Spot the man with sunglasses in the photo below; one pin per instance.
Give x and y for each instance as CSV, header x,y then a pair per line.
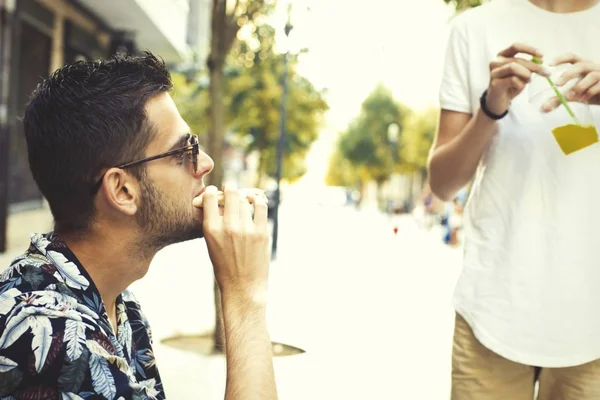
x,y
120,171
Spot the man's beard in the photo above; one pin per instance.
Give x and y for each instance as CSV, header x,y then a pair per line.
x,y
162,222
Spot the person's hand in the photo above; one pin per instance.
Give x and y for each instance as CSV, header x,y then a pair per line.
x,y
509,74
588,87
238,244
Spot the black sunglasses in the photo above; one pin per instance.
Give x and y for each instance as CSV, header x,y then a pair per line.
x,y
194,147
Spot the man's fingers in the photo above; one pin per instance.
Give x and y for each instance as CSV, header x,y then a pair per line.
x,y
517,48
261,211
231,214
210,206
245,211
569,58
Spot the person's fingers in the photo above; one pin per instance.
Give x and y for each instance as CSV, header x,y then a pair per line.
x,y
502,62
245,212
576,71
231,214
578,90
551,104
512,69
533,67
513,84
261,211
198,201
593,91
568,58
499,62
523,48
210,207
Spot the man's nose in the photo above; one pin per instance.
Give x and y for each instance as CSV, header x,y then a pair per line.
x,y
205,164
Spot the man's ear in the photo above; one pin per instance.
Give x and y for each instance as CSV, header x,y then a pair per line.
x,y
121,191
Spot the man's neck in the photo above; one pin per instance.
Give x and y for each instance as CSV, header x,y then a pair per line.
x,y
565,6
112,264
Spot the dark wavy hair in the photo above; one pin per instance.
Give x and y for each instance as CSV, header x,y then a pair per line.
x,y
88,116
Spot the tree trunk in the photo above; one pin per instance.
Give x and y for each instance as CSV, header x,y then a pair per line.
x,y
224,28
363,192
216,133
214,147
261,166
411,184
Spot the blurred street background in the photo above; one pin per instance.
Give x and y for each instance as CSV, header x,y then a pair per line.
x,y
331,107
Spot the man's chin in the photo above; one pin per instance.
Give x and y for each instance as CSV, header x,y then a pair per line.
x,y
164,239
195,232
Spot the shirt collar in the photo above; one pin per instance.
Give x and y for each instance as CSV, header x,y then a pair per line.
x,y
70,271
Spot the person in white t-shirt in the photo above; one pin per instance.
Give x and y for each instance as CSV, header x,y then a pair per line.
x,y
528,298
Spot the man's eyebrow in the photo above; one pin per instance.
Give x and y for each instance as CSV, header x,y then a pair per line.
x,y
180,142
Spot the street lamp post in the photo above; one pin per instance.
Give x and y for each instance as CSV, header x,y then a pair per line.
x,y
392,134
393,131
281,142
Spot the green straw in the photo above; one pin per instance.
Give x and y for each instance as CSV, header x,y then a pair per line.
x,y
560,96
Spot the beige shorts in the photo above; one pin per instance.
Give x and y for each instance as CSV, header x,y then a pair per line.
x,y
480,374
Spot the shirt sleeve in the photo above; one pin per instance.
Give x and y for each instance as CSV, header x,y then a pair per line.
x,y
455,89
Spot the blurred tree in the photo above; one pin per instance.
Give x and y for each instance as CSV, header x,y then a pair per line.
x,y
366,143
461,5
243,95
341,172
255,101
418,136
192,102
226,20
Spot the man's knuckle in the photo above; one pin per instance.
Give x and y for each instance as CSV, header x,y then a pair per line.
x,y
260,236
231,230
260,204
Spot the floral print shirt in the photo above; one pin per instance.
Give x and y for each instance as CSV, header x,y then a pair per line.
x,y
56,341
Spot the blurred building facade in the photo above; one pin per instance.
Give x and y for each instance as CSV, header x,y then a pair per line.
x,y
39,36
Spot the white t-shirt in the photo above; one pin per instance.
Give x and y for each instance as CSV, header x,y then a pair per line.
x,y
530,285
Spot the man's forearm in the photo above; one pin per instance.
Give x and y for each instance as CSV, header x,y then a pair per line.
x,y
250,372
454,163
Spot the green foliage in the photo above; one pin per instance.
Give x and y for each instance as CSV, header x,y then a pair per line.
x,y
418,137
364,151
366,143
191,98
341,172
252,100
254,107
464,4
